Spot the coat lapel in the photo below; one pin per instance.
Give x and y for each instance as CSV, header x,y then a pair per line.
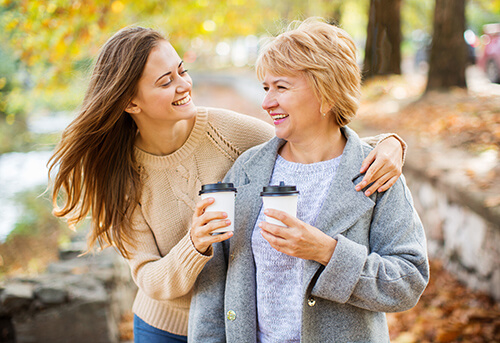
x,y
258,170
344,205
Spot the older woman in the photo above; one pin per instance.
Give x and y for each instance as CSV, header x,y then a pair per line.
x,y
330,275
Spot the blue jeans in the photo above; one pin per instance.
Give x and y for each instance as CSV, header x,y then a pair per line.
x,y
145,333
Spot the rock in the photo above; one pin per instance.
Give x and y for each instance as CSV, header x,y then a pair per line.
x,y
17,296
52,294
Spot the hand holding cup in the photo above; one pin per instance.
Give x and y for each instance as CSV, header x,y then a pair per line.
x,y
213,218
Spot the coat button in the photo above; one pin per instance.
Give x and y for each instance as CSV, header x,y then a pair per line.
x,y
311,301
231,315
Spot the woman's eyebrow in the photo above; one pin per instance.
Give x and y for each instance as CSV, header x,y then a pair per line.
x,y
276,81
158,79
168,72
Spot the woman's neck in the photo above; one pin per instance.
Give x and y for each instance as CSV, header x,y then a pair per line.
x,y
164,140
315,148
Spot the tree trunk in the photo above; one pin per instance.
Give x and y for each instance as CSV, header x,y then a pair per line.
x,y
448,56
383,40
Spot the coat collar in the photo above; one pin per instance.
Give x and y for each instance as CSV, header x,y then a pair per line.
x,y
343,205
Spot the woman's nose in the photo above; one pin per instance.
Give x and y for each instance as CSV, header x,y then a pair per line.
x,y
269,102
184,85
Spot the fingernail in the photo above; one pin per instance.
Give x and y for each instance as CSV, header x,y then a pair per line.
x,y
224,215
228,222
357,188
367,193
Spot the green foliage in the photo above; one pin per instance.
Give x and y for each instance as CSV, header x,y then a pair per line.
x,y
47,46
481,12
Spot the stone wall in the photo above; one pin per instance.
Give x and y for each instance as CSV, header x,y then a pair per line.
x,y
461,230
78,300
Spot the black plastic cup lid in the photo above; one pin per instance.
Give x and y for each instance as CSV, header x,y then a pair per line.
x,y
279,190
217,187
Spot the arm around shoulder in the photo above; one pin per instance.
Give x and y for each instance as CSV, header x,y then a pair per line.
x,y
239,130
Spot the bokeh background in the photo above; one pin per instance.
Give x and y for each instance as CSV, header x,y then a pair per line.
x,y
47,48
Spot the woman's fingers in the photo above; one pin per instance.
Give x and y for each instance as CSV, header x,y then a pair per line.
x,y
298,239
367,161
388,184
205,223
382,165
377,185
202,205
282,216
381,171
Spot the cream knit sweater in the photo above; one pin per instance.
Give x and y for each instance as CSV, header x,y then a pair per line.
x,y
164,262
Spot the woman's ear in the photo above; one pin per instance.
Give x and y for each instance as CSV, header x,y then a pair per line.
x,y
325,108
132,108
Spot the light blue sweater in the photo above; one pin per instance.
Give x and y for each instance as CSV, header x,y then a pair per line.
x,y
279,276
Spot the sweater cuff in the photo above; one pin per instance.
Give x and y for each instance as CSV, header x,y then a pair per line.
x,y
190,257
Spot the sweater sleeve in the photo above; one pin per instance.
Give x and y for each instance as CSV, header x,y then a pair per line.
x,y
163,277
375,140
240,131
393,273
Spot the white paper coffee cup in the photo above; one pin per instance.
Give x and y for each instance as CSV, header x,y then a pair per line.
x,y
224,195
282,197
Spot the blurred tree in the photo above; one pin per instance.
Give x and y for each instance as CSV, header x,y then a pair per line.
x,y
383,40
448,55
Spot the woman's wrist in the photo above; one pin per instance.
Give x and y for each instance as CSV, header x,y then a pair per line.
x,y
327,251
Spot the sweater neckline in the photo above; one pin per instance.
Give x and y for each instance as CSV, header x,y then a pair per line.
x,y
194,139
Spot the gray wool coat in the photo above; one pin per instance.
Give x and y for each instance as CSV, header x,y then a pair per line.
x,y
379,265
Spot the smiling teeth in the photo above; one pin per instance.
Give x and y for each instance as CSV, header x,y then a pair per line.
x,y
279,116
182,101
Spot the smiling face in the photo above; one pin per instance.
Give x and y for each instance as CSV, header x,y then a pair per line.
x,y
164,89
293,106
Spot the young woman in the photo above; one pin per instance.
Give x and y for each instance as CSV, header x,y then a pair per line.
x,y
134,159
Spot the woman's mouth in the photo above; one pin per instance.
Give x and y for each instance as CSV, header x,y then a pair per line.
x,y
182,101
279,118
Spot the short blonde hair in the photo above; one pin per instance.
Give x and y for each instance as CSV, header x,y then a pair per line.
x,y
326,54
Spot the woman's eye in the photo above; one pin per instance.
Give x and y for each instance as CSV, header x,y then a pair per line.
x,y
281,87
167,83
266,89
184,72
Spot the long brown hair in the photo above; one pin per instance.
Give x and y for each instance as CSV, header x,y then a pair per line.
x,y
95,162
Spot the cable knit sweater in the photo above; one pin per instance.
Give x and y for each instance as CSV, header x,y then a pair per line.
x,y
164,262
